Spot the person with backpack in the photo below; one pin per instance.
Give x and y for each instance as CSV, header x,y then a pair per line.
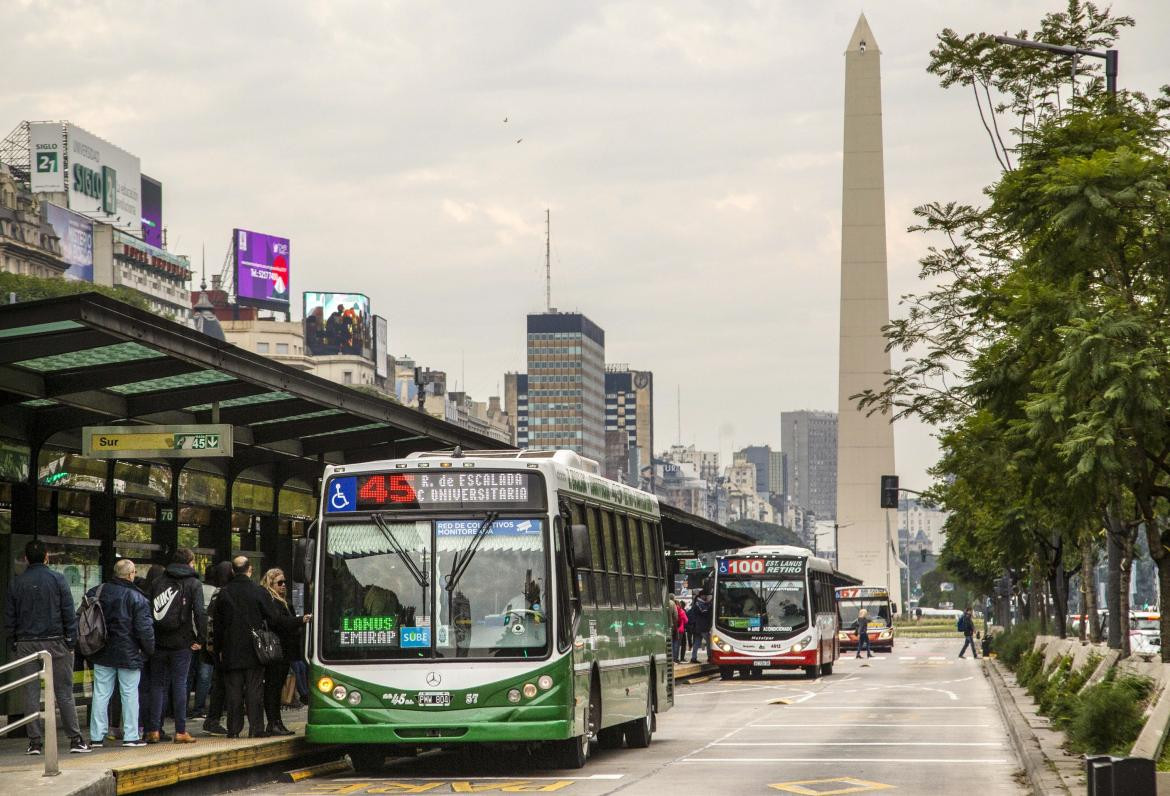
x,y
127,643
966,626
180,628
699,617
38,616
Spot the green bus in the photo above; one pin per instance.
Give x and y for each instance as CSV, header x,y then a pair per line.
x,y
509,597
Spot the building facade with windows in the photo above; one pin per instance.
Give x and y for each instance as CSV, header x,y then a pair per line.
x,y
629,423
28,243
566,384
516,405
809,441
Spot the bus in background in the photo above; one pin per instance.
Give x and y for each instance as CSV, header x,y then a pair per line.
x,y
495,596
774,608
876,602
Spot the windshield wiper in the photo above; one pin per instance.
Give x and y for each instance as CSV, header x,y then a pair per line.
x,y
419,576
460,563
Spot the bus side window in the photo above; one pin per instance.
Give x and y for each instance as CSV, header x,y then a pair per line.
x,y
638,562
612,565
584,576
658,557
602,589
564,573
622,543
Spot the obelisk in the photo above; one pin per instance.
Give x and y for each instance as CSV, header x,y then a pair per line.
x,y
867,535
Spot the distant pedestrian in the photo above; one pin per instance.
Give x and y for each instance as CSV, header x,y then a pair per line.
x,y
241,608
699,617
39,616
129,644
967,627
180,624
863,633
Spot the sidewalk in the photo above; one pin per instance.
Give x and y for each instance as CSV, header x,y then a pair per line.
x,y
115,769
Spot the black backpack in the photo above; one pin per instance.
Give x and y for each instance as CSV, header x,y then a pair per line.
x,y
91,624
169,604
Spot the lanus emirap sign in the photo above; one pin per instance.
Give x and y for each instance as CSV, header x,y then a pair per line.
x,y
101,180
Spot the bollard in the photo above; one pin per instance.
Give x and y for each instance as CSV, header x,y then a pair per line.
x,y
1115,776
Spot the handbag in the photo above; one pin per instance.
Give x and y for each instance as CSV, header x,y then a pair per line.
x,y
289,692
267,645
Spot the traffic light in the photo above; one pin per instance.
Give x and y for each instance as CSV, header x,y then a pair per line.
x,y
889,491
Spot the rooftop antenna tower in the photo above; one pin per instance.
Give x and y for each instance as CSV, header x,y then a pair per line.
x,y
547,260
203,279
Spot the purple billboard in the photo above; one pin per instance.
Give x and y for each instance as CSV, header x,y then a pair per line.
x,y
261,270
152,229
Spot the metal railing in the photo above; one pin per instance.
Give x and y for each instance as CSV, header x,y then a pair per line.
x,y
49,713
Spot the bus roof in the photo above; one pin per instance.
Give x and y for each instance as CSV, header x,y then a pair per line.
x,y
790,551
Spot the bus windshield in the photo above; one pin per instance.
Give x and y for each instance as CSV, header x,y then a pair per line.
x,y
761,605
435,589
878,611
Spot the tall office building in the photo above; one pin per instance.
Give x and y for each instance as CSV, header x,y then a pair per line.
x,y
629,422
809,442
769,467
566,384
516,405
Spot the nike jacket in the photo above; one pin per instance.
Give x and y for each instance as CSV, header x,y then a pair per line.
x,y
179,583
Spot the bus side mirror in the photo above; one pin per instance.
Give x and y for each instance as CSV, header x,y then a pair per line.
x,y
304,552
582,552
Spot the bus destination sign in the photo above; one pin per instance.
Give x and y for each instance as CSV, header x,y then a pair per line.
x,y
761,566
441,489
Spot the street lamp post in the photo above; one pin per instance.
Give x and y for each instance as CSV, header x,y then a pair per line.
x,y
1109,56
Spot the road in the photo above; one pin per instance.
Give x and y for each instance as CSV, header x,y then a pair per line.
x,y
917,721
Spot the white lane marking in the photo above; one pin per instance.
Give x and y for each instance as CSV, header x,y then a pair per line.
x,y
859,743
938,658
908,658
854,724
916,760
709,692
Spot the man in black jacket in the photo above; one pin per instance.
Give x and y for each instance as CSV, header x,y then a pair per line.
x,y
242,607
180,629
39,616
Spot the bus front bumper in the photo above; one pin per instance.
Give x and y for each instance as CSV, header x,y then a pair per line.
x,y
394,726
736,658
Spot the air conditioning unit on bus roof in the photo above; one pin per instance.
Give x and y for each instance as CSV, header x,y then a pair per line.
x,y
566,457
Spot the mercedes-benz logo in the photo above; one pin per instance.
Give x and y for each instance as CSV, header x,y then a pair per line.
x,y
433,679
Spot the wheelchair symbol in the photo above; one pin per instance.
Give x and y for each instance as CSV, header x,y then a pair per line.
x,y
338,500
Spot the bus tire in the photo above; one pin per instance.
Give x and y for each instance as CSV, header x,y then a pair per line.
x,y
571,753
640,731
826,669
725,672
609,737
367,758
810,672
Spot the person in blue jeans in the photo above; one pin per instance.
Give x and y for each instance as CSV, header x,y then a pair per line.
x,y
180,628
863,633
967,628
129,643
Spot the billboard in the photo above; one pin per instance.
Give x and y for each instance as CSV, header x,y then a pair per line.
x,y
381,346
76,234
152,228
103,179
46,155
338,323
262,270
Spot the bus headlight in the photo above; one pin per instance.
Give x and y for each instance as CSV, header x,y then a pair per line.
x,y
720,643
514,695
885,634
797,647
325,685
339,692
842,636
355,698
545,682
529,690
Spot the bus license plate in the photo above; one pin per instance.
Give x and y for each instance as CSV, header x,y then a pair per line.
x,y
434,699
761,663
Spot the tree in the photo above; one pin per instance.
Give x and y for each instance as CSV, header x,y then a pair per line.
x,y
31,288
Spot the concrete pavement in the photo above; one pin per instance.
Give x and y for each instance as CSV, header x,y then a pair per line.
x,y
917,721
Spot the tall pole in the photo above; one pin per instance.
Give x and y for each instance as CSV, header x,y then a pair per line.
x,y
547,260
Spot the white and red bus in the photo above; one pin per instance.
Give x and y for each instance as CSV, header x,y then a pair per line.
x,y
774,608
876,602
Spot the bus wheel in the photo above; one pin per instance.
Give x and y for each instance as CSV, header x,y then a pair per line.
x,y
639,731
609,738
571,753
725,672
367,758
826,669
810,672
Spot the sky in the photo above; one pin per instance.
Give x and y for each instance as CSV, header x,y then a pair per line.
x,y
689,153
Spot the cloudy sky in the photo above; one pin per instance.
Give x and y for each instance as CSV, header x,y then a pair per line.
x,y
690,153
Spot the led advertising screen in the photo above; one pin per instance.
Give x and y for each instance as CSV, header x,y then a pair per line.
x,y
338,323
76,234
152,228
262,270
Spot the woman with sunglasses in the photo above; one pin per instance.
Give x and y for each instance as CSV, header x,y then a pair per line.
x,y
275,673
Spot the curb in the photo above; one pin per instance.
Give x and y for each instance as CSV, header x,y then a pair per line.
x,y
1026,744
